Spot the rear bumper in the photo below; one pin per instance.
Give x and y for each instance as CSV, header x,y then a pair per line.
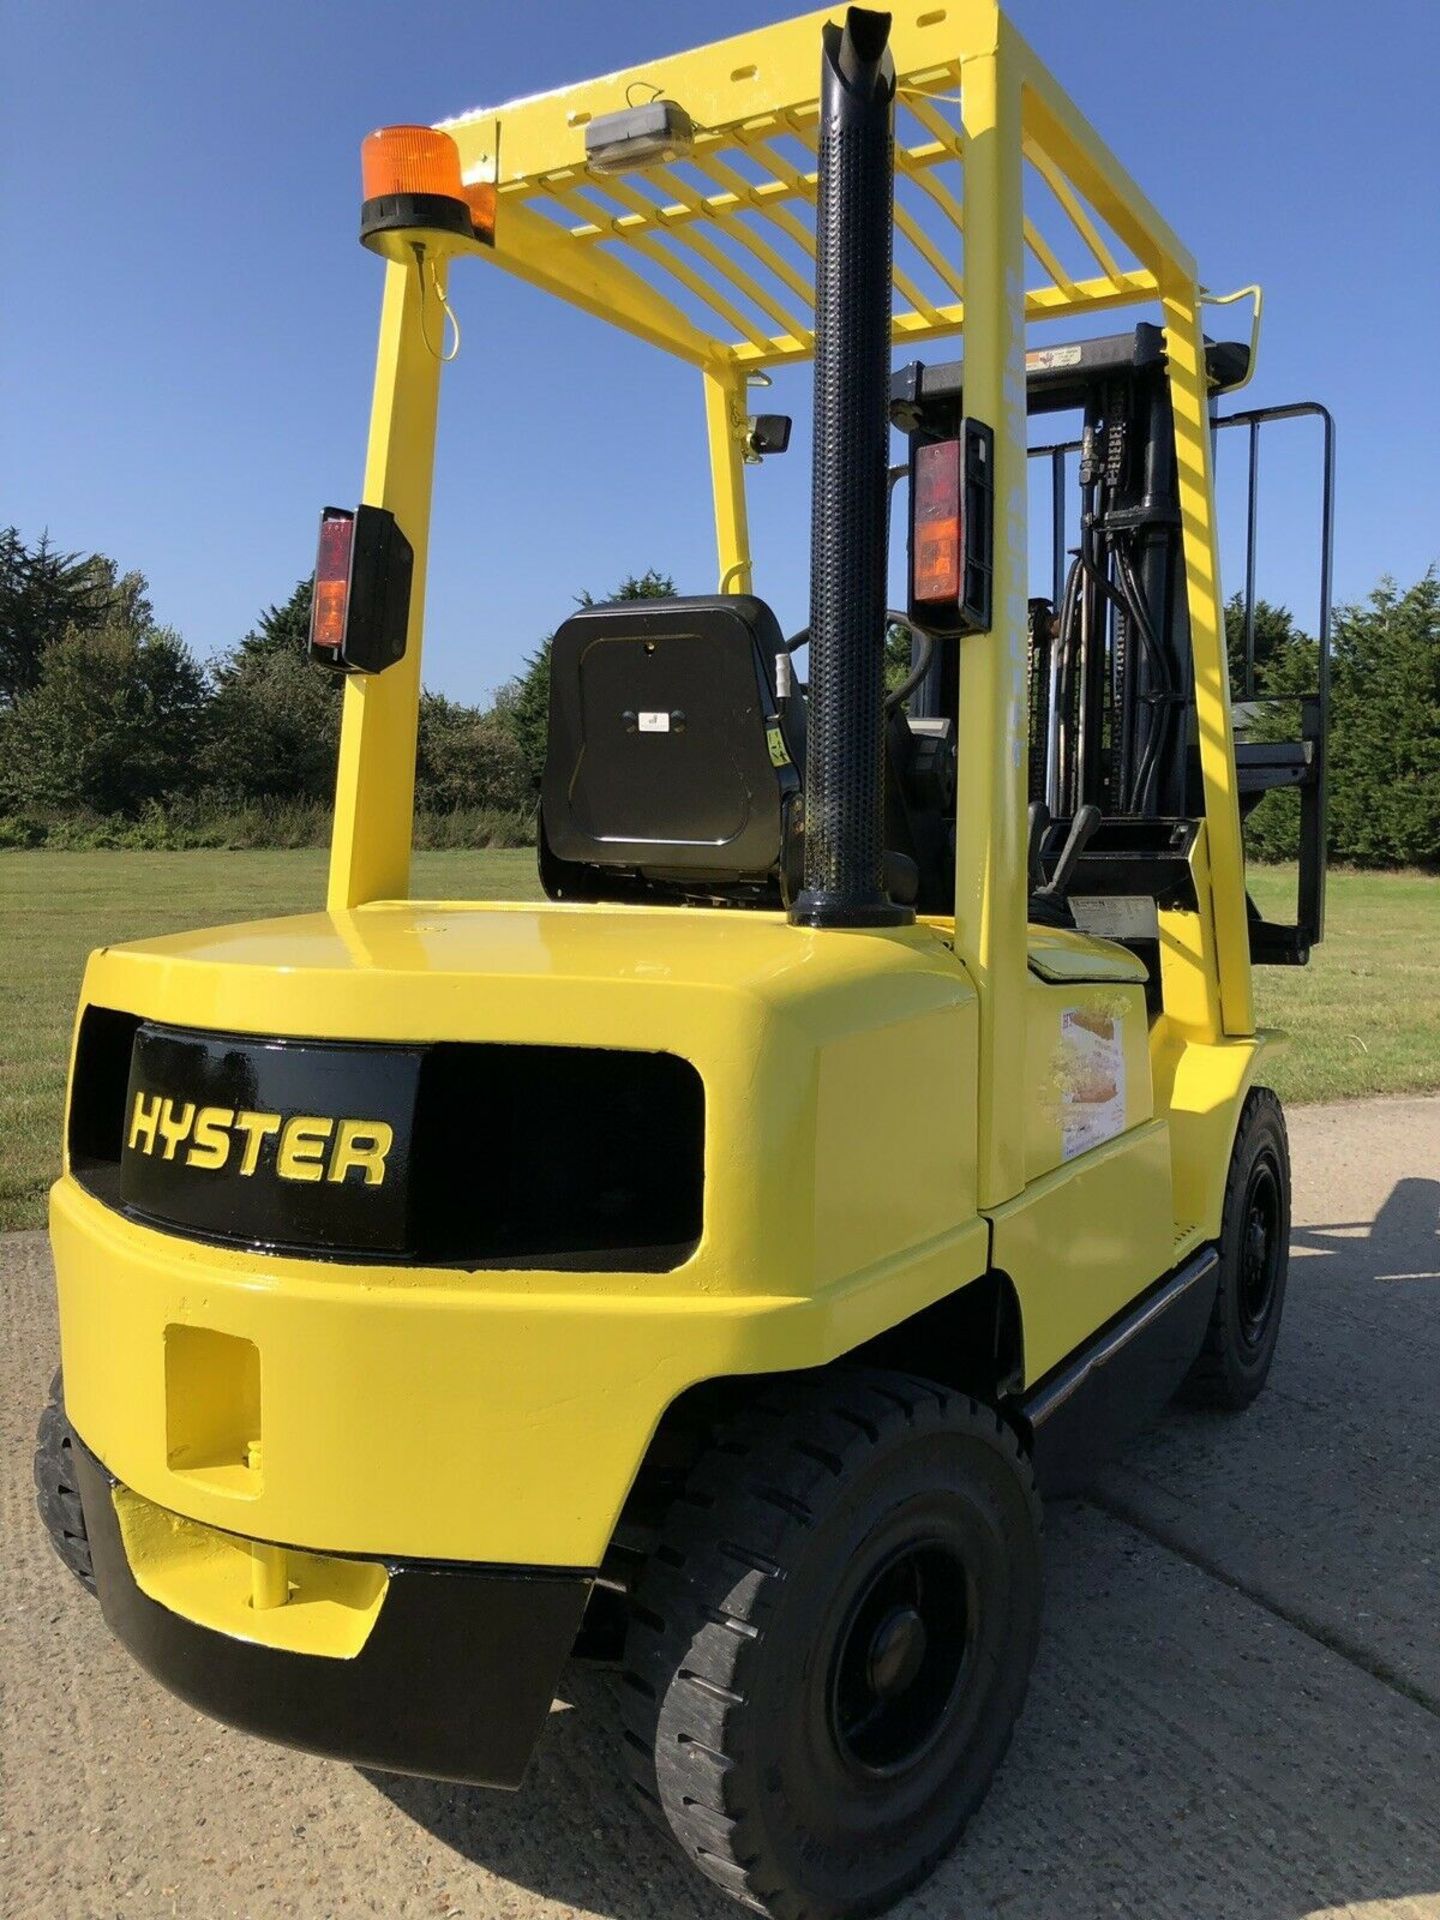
x,y
454,1678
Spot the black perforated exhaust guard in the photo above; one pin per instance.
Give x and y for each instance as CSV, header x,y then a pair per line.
x,y
845,787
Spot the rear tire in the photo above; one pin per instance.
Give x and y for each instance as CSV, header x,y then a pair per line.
x,y
1234,1362
57,1495
830,1644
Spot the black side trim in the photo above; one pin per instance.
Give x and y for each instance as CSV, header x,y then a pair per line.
x,y
454,1682
1085,1409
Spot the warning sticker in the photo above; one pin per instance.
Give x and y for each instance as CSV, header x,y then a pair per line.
x,y
1116,916
1092,1079
779,752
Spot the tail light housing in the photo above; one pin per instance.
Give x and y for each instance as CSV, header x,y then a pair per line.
x,y
360,612
952,531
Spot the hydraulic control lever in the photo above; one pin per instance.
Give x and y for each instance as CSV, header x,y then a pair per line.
x,y
1082,829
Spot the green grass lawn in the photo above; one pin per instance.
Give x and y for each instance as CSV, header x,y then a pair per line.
x,y
1364,1016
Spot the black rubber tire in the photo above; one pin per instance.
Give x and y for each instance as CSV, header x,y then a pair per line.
x,y
747,1623
56,1494
1234,1362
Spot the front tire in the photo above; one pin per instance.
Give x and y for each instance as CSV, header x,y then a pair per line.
x,y
830,1643
1234,1362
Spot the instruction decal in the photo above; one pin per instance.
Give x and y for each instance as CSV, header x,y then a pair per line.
x,y
1116,916
1092,1079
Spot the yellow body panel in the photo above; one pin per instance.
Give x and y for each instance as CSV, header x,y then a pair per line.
x,y
300,1401
538,1390
1056,954
1081,1242
990,876
1206,1096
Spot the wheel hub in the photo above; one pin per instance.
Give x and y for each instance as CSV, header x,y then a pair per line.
x,y
897,1652
900,1658
1259,1253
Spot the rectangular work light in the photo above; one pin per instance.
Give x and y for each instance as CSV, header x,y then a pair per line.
x,y
637,136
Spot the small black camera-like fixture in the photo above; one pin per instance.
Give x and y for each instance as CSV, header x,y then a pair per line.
x,y
768,433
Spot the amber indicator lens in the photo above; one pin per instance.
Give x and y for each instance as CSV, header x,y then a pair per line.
x,y
403,163
481,200
332,579
410,160
936,542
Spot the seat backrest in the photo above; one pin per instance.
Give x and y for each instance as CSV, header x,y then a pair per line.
x,y
668,759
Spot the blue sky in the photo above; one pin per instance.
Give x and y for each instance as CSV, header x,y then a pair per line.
x,y
189,322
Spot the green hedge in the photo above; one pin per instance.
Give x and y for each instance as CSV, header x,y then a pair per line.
x,y
227,826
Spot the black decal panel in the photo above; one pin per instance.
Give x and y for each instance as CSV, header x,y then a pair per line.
x,y
448,1154
297,1144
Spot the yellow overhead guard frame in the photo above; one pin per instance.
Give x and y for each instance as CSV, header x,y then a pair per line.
x,y
711,258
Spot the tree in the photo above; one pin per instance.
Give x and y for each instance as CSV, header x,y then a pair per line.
x,y
113,721
1385,727
45,594
1384,745
898,642
1286,662
275,727
1276,637
282,630
125,597
650,585
523,704
275,717
467,758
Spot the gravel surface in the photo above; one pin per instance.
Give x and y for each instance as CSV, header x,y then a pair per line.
x,y
1236,1710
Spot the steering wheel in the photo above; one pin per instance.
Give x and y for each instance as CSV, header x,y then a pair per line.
x,y
898,695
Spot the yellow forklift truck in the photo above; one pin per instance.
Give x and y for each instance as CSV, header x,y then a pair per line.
x,y
703,1273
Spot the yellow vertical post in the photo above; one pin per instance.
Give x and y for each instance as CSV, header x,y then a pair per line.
x,y
269,1576
375,784
1185,351
993,735
726,414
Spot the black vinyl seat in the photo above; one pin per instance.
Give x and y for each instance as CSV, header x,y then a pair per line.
x,y
672,771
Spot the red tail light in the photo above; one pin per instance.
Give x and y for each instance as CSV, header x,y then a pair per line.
x,y
952,530
361,610
938,548
332,580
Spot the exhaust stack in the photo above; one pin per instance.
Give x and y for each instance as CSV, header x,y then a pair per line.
x,y
844,777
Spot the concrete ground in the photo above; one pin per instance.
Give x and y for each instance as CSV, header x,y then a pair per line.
x,y
1236,1710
